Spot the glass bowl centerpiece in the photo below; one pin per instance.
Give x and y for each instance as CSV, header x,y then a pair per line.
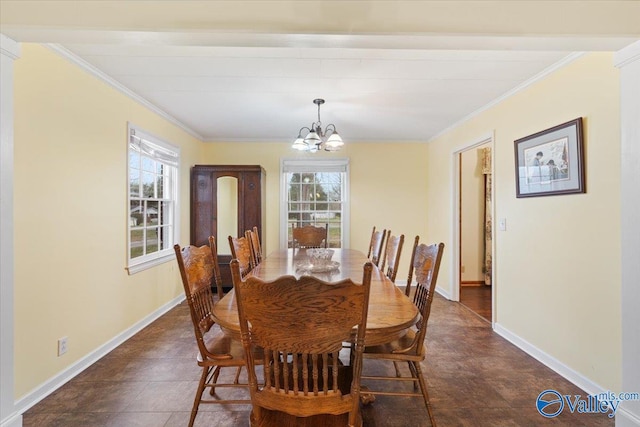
x,y
319,257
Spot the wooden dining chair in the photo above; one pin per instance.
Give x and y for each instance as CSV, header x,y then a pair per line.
x,y
376,245
425,263
217,277
310,236
198,271
391,257
301,324
256,248
241,250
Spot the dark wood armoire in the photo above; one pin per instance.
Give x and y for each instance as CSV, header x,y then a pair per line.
x,y
207,210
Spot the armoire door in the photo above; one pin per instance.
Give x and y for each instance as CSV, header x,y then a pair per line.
x,y
226,200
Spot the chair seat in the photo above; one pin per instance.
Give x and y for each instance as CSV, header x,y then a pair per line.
x,y
389,350
222,344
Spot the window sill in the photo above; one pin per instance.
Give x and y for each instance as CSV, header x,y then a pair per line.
x,y
145,265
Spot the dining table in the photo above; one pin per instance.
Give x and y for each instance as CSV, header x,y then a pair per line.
x,y
391,313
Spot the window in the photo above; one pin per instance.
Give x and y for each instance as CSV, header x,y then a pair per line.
x,y
315,193
153,194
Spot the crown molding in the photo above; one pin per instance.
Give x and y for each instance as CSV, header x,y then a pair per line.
x,y
627,55
9,47
543,74
73,58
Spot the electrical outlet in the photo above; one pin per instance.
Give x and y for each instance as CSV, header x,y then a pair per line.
x,y
62,346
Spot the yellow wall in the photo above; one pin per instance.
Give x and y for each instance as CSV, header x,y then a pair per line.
x,y
558,262
71,215
388,183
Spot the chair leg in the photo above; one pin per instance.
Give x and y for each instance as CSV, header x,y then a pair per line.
x,y
415,375
397,367
237,378
196,401
214,380
423,387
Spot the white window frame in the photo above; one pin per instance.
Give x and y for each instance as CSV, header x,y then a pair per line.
x,y
168,154
311,166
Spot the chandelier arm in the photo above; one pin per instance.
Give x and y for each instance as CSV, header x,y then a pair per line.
x,y
327,129
303,128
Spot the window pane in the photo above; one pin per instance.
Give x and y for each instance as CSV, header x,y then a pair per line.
x,y
148,164
137,246
294,206
306,192
148,184
320,206
160,180
164,238
294,217
165,213
136,218
134,159
134,182
152,240
152,213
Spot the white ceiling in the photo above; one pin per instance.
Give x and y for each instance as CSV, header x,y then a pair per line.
x,y
262,94
259,86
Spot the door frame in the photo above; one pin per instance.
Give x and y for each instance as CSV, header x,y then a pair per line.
x,y
454,272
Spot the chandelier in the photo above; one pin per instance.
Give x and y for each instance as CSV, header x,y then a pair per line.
x,y
316,138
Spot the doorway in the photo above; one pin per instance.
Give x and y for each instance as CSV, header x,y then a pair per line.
x,y
474,219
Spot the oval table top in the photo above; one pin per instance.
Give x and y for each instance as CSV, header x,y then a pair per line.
x,y
391,312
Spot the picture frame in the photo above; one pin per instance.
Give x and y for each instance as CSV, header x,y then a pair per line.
x,y
551,162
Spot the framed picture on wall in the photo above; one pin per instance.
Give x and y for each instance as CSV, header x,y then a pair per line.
x,y
551,162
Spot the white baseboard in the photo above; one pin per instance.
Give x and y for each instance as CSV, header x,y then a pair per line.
x,y
551,362
64,376
14,420
444,293
625,418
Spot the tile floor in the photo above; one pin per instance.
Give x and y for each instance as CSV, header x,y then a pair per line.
x,y
476,378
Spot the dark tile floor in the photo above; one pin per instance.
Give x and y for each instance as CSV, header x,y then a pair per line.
x,y
478,299
476,378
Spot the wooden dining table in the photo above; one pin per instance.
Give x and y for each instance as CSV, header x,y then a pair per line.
x,y
390,314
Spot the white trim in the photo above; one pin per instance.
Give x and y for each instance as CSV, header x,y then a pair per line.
x,y
625,418
141,266
551,362
627,55
73,58
444,293
454,253
628,61
9,47
409,40
55,382
522,86
15,420
9,51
